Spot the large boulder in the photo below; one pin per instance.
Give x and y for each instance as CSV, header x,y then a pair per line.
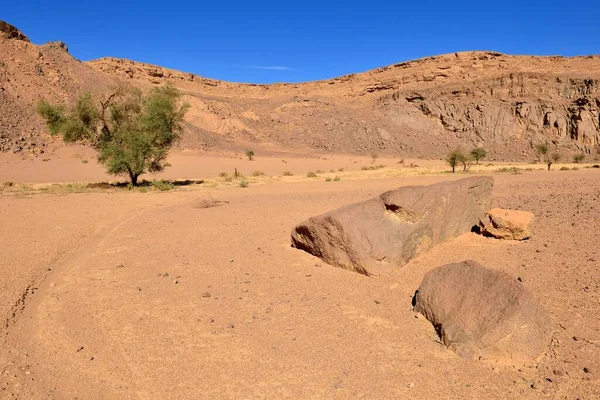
x,y
387,231
507,224
481,313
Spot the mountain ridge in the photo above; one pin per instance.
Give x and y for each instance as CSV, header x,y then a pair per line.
x,y
421,108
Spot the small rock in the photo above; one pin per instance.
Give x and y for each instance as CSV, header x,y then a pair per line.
x,y
206,295
558,372
166,274
587,370
230,326
175,281
211,320
377,302
410,385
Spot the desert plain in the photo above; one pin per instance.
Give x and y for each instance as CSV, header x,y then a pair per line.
x,y
196,292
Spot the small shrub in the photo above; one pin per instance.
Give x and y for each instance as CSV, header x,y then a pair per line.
x,y
332,170
401,162
311,174
575,169
45,159
340,169
84,161
287,173
320,171
258,173
578,158
514,170
336,179
243,183
229,179
413,165
283,161
250,154
328,179
564,168
223,174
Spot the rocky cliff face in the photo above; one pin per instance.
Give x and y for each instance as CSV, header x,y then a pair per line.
x,y
421,108
513,111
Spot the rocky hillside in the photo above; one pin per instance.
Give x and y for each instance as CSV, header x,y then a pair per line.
x,y
421,108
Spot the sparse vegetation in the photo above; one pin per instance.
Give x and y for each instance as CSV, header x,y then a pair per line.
x,y
287,173
244,183
250,154
372,167
401,162
258,173
131,132
478,153
514,170
340,169
374,157
564,168
311,174
162,185
84,161
578,158
328,179
320,171
336,179
237,174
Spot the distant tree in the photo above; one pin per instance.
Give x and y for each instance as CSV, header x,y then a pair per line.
x,y
250,154
544,153
478,153
374,157
456,157
578,158
131,132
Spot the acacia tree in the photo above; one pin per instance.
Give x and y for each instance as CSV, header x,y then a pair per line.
x,y
457,157
131,132
478,153
544,153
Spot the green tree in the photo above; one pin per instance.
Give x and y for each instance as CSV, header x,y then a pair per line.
x,y
478,153
250,154
578,158
455,158
131,132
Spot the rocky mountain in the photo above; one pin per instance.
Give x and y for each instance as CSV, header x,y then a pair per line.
x,y
421,108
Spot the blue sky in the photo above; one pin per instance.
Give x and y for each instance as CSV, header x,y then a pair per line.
x,y
283,41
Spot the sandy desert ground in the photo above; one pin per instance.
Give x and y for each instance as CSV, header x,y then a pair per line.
x,y
196,293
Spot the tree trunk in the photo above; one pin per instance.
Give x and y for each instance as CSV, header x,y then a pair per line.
x,y
549,164
134,178
453,168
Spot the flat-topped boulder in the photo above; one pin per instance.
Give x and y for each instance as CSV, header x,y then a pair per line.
x,y
505,224
481,313
384,232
